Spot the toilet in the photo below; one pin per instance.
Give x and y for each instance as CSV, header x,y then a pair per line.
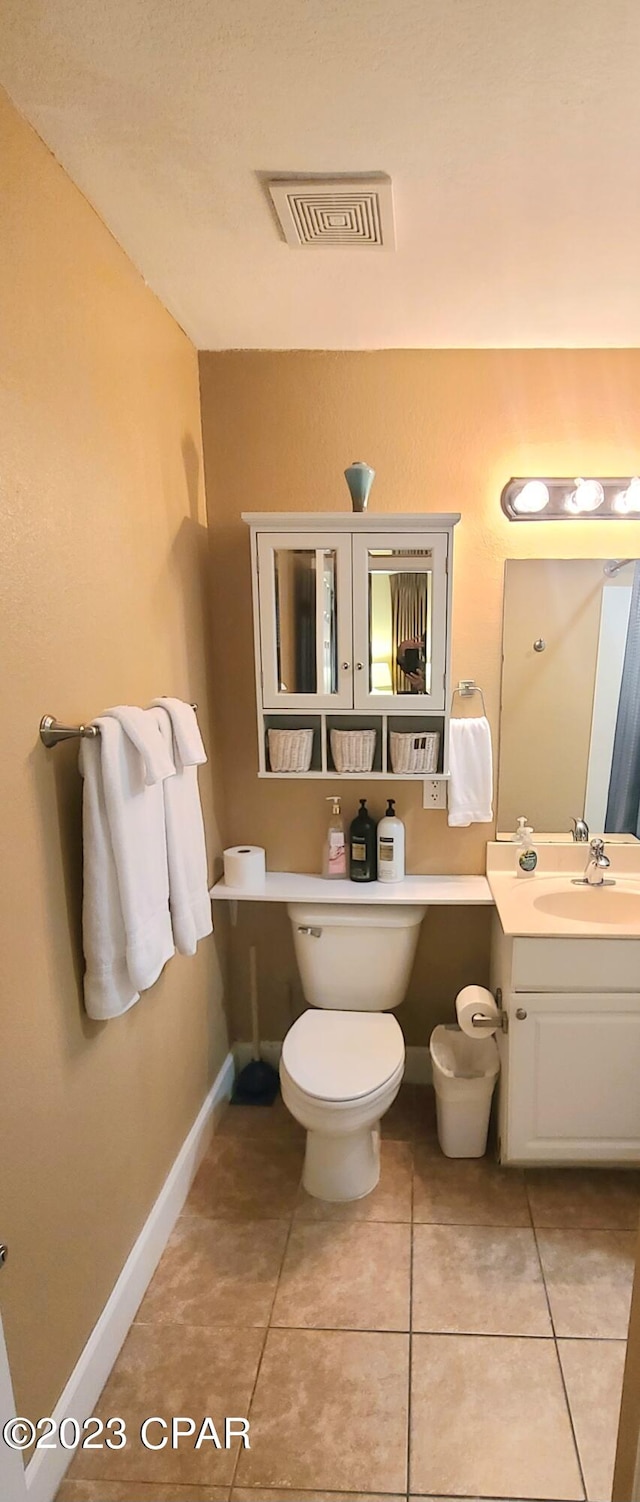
x,y
342,1065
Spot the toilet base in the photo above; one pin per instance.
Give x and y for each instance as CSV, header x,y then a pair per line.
x,y
345,1167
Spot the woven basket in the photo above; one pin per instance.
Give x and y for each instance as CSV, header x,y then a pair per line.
x,y
416,751
290,750
353,750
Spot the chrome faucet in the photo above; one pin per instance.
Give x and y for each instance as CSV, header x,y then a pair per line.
x,y
597,864
580,831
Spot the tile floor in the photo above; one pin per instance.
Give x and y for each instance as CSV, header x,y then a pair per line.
x,y
458,1333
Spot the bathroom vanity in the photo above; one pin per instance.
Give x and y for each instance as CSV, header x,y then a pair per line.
x,y
566,961
565,956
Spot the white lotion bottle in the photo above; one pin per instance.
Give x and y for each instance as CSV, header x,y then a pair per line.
x,y
390,838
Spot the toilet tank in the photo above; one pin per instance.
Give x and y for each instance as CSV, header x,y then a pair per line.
x,y
355,958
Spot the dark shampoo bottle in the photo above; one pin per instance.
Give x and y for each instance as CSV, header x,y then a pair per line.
x,y
362,845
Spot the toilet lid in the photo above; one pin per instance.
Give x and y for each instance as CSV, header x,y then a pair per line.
x,y
342,1055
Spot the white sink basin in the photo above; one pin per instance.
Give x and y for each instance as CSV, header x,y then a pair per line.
x,y
553,903
550,905
617,905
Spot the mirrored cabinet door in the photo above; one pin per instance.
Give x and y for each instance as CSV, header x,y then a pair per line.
x,y
399,612
304,582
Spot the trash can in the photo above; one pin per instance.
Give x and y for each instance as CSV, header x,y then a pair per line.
x,y
464,1075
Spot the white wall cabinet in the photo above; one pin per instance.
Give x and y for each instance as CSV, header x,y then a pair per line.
x,y
570,1060
352,617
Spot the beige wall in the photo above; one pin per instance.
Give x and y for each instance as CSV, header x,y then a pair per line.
x,y
444,430
104,599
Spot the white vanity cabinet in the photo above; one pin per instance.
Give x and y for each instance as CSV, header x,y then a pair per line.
x,y
570,1058
337,600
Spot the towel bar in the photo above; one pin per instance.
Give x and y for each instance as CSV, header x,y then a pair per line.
x,y
52,732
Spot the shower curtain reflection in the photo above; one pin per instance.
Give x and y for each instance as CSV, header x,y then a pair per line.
x,y
623,805
410,625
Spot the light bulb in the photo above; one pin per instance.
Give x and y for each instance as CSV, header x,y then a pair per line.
x,y
629,499
587,496
533,497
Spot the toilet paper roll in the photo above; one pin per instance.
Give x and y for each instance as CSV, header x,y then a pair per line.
x,y
476,1001
245,867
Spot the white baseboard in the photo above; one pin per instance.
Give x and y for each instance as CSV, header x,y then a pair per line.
x,y
46,1470
417,1067
243,1053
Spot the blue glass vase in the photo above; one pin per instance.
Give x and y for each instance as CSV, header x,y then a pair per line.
x,y
359,477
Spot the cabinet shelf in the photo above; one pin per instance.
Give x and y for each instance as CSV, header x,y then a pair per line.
x,y
359,776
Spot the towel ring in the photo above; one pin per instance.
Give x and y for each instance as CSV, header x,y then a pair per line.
x,y
465,688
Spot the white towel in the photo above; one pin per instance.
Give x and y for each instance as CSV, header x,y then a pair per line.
x,y
127,924
186,850
108,989
187,740
143,731
471,769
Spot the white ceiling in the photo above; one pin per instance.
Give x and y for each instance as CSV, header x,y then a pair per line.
x,y
510,128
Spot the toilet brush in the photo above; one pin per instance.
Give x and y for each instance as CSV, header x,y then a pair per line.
x,y
258,1083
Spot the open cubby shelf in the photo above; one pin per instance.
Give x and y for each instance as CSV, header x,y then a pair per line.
x,y
322,764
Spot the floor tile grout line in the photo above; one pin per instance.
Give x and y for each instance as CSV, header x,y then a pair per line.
x,y
494,1225
331,1491
555,1342
268,1327
410,1366
611,1340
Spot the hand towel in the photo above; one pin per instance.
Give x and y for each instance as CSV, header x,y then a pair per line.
x,y
471,769
144,733
108,988
187,740
134,824
189,898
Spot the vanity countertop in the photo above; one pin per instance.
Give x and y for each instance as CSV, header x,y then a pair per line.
x,y
552,904
291,886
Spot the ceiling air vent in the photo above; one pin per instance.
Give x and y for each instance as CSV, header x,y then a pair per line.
x,y
335,211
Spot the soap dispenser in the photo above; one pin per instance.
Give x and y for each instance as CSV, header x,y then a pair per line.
x,y
334,865
362,845
526,853
391,845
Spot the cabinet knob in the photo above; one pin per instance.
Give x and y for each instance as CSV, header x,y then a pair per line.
x,y
4,1253
345,667
520,1014
359,666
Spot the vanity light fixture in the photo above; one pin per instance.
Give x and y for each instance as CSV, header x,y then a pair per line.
x,y
547,500
587,496
628,500
533,497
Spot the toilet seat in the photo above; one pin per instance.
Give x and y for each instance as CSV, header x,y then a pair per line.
x,y
343,1056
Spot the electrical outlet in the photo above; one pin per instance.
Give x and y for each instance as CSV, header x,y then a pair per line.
x,y
434,793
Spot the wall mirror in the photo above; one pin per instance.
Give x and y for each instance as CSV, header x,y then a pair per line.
x,y
570,712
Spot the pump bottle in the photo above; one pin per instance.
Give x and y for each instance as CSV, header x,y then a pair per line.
x,y
362,845
334,865
391,845
526,853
